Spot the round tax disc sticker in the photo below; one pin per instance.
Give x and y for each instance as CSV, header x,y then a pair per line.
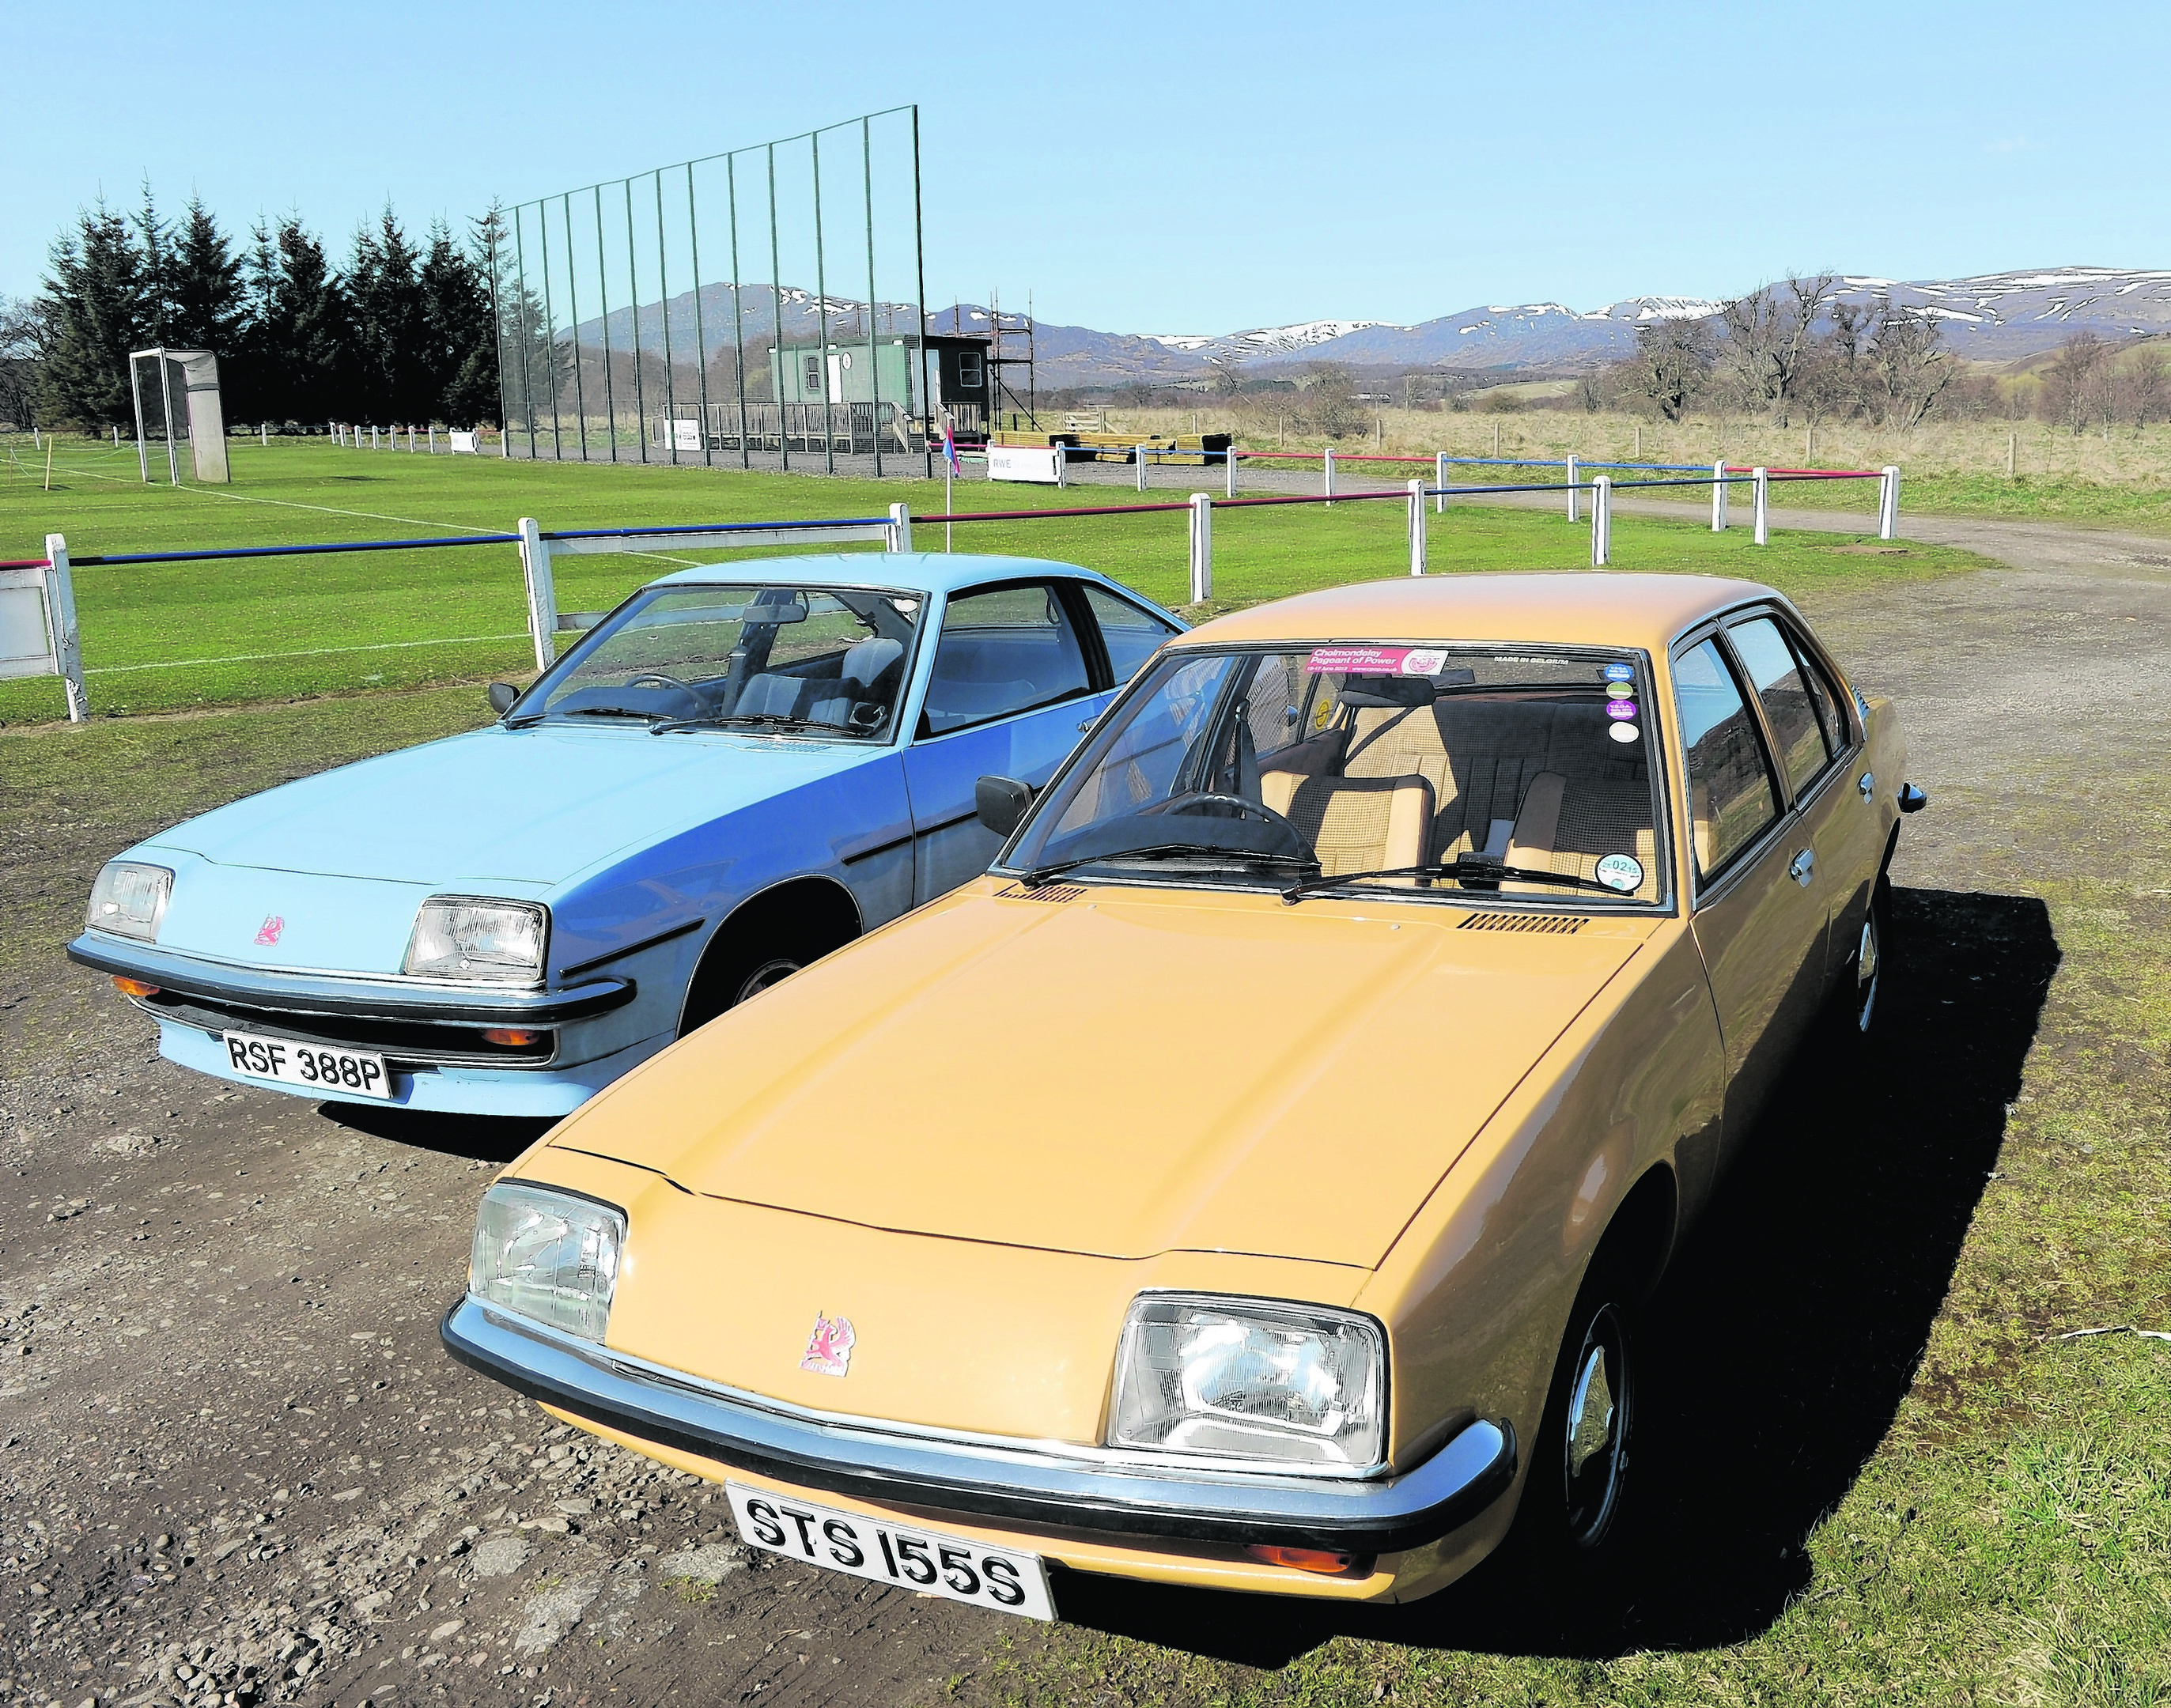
x,y
1621,673
1620,709
1623,690
1622,733
1622,872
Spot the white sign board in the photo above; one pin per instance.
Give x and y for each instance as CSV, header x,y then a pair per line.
x,y
465,441
1039,462
684,435
26,640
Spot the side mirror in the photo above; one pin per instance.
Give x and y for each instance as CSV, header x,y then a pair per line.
x,y
1911,799
502,696
1001,803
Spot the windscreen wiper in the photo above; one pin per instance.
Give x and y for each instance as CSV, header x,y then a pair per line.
x,y
765,721
1470,869
1162,851
580,712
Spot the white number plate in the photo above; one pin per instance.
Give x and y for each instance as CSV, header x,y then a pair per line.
x,y
919,1560
334,1072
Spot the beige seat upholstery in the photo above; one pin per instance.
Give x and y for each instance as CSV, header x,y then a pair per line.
x,y
1355,824
1568,826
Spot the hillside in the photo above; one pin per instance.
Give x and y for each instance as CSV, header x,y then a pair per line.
x,y
1992,317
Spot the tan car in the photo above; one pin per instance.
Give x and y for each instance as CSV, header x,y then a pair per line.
x,y
1252,1182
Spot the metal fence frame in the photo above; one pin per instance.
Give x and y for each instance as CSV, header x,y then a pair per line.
x,y
535,348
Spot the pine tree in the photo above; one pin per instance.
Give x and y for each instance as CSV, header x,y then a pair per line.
x,y
386,341
305,337
204,294
94,308
254,391
460,332
155,239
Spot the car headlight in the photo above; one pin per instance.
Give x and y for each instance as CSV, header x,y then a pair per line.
x,y
464,938
1251,1379
548,1255
129,899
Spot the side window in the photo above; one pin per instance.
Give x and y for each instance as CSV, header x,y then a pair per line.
x,y
970,376
812,375
1002,650
1131,636
1826,698
1789,710
1730,795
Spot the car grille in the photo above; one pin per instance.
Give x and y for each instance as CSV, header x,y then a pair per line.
x,y
407,1040
1553,925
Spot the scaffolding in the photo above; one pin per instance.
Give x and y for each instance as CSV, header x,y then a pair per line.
x,y
1001,363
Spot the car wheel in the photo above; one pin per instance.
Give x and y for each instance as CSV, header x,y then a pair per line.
x,y
1869,956
1579,1463
741,968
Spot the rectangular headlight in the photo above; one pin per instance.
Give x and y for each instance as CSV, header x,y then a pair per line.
x,y
129,899
1251,1379
466,938
548,1255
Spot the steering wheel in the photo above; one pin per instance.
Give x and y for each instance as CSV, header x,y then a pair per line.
x,y
1189,804
685,687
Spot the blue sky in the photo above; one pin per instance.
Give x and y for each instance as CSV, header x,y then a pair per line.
x,y
1174,168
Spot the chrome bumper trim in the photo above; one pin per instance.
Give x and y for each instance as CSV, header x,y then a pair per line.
x,y
357,999
1034,1484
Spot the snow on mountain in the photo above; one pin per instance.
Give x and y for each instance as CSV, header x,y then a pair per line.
x,y
1261,340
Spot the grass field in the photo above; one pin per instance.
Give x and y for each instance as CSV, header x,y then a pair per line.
x,y
166,637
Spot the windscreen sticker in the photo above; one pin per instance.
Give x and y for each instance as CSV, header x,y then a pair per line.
x,y
1621,673
1621,872
1620,709
1375,660
1623,732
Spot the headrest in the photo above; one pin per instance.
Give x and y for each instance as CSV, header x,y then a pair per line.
x,y
1386,691
864,660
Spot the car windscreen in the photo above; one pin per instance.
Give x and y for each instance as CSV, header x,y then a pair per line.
x,y
1455,768
821,661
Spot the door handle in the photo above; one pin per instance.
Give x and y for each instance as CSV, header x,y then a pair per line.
x,y
1804,867
1866,783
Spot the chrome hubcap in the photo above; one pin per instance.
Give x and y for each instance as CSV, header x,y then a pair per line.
x,y
1597,1434
768,974
1865,974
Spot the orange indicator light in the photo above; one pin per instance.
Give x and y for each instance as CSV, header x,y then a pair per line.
x,y
511,1035
134,987
1326,1562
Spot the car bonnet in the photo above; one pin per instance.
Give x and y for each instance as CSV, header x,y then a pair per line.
x,y
1122,1073
536,806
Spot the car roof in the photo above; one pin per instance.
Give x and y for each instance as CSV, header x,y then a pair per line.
x,y
1583,607
918,572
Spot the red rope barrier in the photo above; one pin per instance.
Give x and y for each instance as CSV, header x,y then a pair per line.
x,y
26,563
1034,515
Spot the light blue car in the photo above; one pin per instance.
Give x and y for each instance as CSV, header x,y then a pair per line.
x,y
743,767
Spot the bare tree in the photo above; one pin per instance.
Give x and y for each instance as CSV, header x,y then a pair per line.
x,y
23,334
1909,361
1591,390
1672,364
2143,390
2070,383
1768,336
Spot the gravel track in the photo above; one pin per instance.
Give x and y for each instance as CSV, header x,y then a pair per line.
x,y
235,1467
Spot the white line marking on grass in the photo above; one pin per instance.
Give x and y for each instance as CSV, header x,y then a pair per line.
x,y
307,652
331,509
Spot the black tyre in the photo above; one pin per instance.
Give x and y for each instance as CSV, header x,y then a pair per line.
x,y
1579,1462
744,962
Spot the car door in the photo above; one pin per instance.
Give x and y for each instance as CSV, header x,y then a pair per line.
x,y
1759,917
1018,671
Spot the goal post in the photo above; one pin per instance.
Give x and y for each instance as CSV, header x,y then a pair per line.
x,y
177,402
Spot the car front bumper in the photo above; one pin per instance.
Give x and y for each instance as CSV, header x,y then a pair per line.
x,y
1036,1483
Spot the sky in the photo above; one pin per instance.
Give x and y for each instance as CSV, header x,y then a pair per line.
x,y
1172,169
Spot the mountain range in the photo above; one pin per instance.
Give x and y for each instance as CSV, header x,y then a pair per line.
x,y
1990,317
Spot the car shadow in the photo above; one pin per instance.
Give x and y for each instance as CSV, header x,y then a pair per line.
x,y
479,1137
1779,1347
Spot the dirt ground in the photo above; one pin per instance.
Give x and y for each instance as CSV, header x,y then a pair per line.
x,y
236,1468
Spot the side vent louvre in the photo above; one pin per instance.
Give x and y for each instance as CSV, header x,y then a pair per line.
x,y
1046,892
1554,924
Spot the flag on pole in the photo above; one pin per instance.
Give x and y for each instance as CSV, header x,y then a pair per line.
x,y
950,447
